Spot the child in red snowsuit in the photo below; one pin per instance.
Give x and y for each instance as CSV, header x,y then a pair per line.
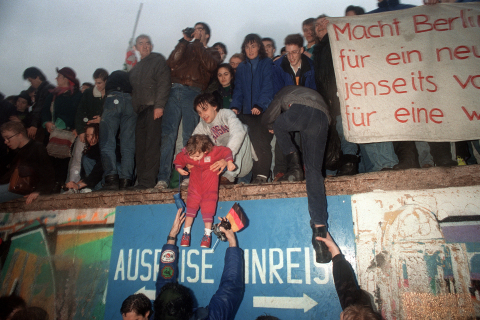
x,y
208,163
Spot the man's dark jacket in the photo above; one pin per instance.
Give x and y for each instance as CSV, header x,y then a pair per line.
x,y
33,160
325,75
284,76
150,79
40,96
192,64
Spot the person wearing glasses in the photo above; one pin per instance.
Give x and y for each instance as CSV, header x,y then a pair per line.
x,y
31,162
292,69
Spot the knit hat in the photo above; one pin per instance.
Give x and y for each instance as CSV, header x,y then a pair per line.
x,y
69,74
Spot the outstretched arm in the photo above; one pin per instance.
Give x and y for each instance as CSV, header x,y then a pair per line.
x,y
343,276
168,268
225,302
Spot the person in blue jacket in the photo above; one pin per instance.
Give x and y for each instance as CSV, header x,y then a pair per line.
x,y
175,302
391,5
294,68
251,98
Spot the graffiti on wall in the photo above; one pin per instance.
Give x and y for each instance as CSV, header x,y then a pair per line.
x,y
417,251
58,260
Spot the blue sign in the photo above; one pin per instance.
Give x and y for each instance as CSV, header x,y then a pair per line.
x,y
281,276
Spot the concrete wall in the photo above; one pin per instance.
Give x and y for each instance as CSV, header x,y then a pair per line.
x,y
58,260
417,252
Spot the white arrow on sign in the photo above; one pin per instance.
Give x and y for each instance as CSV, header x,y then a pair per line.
x,y
149,293
306,303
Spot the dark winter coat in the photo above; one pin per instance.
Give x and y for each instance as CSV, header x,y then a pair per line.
x,y
253,85
43,91
91,105
391,5
150,79
192,64
65,108
325,75
33,160
284,76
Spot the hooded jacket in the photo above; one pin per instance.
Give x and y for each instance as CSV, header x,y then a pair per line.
x,y
293,95
253,85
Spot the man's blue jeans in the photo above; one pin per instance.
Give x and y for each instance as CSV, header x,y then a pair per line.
x,y
88,165
118,113
179,106
378,155
313,127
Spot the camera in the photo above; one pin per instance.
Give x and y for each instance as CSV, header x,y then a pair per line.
x,y
216,229
188,31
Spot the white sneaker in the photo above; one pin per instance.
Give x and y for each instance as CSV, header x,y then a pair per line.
x,y
85,190
161,185
185,182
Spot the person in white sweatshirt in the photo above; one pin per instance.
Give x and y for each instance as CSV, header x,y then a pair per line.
x,y
225,129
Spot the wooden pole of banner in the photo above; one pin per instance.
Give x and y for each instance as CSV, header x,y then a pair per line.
x,y
136,24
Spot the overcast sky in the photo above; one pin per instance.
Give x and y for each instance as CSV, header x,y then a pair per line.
x,y
86,35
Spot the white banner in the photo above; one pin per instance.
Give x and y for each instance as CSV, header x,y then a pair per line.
x,y
409,75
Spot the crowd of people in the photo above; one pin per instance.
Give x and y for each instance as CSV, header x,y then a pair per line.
x,y
262,116
138,121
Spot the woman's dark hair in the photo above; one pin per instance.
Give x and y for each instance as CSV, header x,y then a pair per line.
x,y
179,306
199,143
230,69
221,45
252,37
96,133
138,303
202,99
358,10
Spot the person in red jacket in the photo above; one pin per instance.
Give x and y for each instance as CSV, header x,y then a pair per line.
x,y
208,162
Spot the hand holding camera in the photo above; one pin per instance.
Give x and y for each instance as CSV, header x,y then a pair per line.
x,y
224,232
188,33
